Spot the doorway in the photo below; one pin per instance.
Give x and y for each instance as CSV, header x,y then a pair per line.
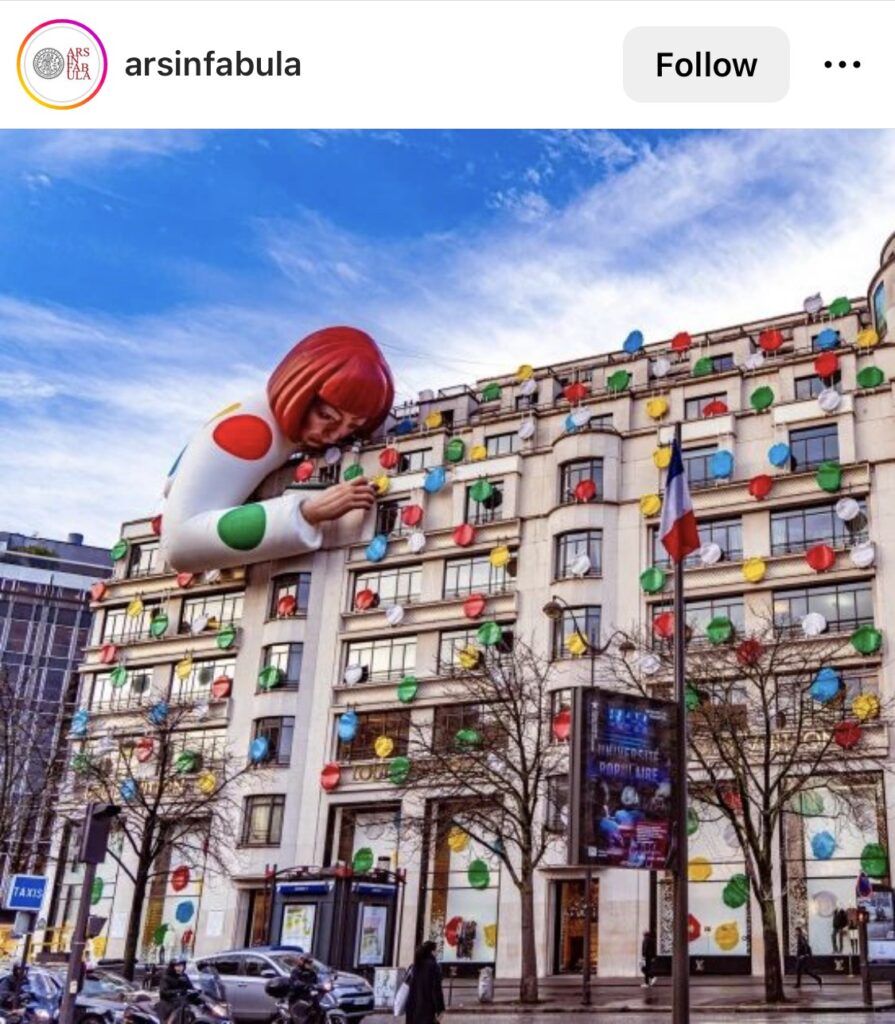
x,y
568,955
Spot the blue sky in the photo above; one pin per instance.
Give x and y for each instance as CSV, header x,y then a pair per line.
x,y
148,278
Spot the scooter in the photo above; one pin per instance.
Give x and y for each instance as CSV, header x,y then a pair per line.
x,y
321,1006
197,1008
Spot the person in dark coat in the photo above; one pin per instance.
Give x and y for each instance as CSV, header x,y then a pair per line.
x,y
804,959
648,958
425,999
302,982
840,923
173,989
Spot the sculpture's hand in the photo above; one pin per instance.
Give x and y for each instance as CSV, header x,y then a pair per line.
x,y
335,501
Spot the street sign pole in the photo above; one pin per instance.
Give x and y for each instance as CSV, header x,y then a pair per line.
x,y
76,955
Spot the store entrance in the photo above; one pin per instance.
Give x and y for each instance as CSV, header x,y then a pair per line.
x,y
568,955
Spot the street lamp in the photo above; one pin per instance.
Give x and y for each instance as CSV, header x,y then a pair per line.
x,y
555,610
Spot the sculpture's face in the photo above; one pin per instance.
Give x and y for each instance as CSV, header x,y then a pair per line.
x,y
325,425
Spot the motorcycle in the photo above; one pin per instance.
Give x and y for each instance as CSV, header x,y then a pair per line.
x,y
320,1006
197,1007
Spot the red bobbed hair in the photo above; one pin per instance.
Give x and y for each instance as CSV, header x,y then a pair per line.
x,y
341,365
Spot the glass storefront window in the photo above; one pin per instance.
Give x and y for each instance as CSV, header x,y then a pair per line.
x,y
463,885
569,935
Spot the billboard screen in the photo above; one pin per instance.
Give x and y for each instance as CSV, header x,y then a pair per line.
x,y
626,764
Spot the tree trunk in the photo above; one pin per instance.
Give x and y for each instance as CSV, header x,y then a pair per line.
x,y
528,979
773,967
135,918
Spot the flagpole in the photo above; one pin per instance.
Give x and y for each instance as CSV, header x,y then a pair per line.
x,y
680,974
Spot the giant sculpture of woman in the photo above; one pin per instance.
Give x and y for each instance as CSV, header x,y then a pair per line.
x,y
334,384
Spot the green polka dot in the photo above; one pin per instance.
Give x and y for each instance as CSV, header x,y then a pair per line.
x,y
243,528
352,472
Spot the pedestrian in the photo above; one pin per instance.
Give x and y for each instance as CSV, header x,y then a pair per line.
x,y
804,960
425,1000
840,923
648,958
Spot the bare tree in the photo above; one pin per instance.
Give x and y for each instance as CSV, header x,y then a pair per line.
x,y
31,762
177,798
764,729
495,771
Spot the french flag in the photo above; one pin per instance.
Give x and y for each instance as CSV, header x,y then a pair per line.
x,y
678,530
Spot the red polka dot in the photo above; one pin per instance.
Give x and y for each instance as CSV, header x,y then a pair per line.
x,y
246,437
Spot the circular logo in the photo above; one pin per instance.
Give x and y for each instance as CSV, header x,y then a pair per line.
x,y
62,64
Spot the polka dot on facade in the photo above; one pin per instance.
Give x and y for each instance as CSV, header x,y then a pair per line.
x,y
246,437
243,528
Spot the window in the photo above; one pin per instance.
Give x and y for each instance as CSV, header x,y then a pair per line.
x,y
845,606
700,613
475,575
573,473
278,733
722,363
582,374
698,464
602,422
812,385
208,747
557,818
487,511
798,529
145,559
815,347
133,692
370,726
219,609
120,627
453,641
383,657
451,718
585,620
400,585
501,444
228,966
560,700
262,823
726,533
412,462
792,689
879,308
296,585
582,542
388,517
813,445
524,402
693,406
287,658
197,685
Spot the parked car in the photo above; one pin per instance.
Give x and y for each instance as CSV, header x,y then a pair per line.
x,y
245,972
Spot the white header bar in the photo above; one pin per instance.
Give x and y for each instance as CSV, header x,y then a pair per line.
x,y
430,63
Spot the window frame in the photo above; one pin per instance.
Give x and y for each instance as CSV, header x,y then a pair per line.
x,y
404,641
477,513
391,722
232,603
572,472
703,400
840,624
290,584
806,435
372,579
838,537
284,726
273,654
562,556
499,579
707,535
511,437
273,833
448,666
589,619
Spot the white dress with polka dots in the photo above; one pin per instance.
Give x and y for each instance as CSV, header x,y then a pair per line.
x,y
206,524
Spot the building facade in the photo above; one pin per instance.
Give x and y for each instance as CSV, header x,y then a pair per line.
x,y
782,419
44,625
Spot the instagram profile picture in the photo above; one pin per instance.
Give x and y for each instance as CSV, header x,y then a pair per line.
x,y
62,64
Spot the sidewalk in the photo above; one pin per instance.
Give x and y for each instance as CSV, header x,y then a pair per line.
x,y
624,995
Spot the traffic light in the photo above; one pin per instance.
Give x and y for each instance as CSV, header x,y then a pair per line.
x,y
95,837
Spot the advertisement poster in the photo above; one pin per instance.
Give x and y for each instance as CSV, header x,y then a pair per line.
x,y
298,925
626,795
880,907
371,942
